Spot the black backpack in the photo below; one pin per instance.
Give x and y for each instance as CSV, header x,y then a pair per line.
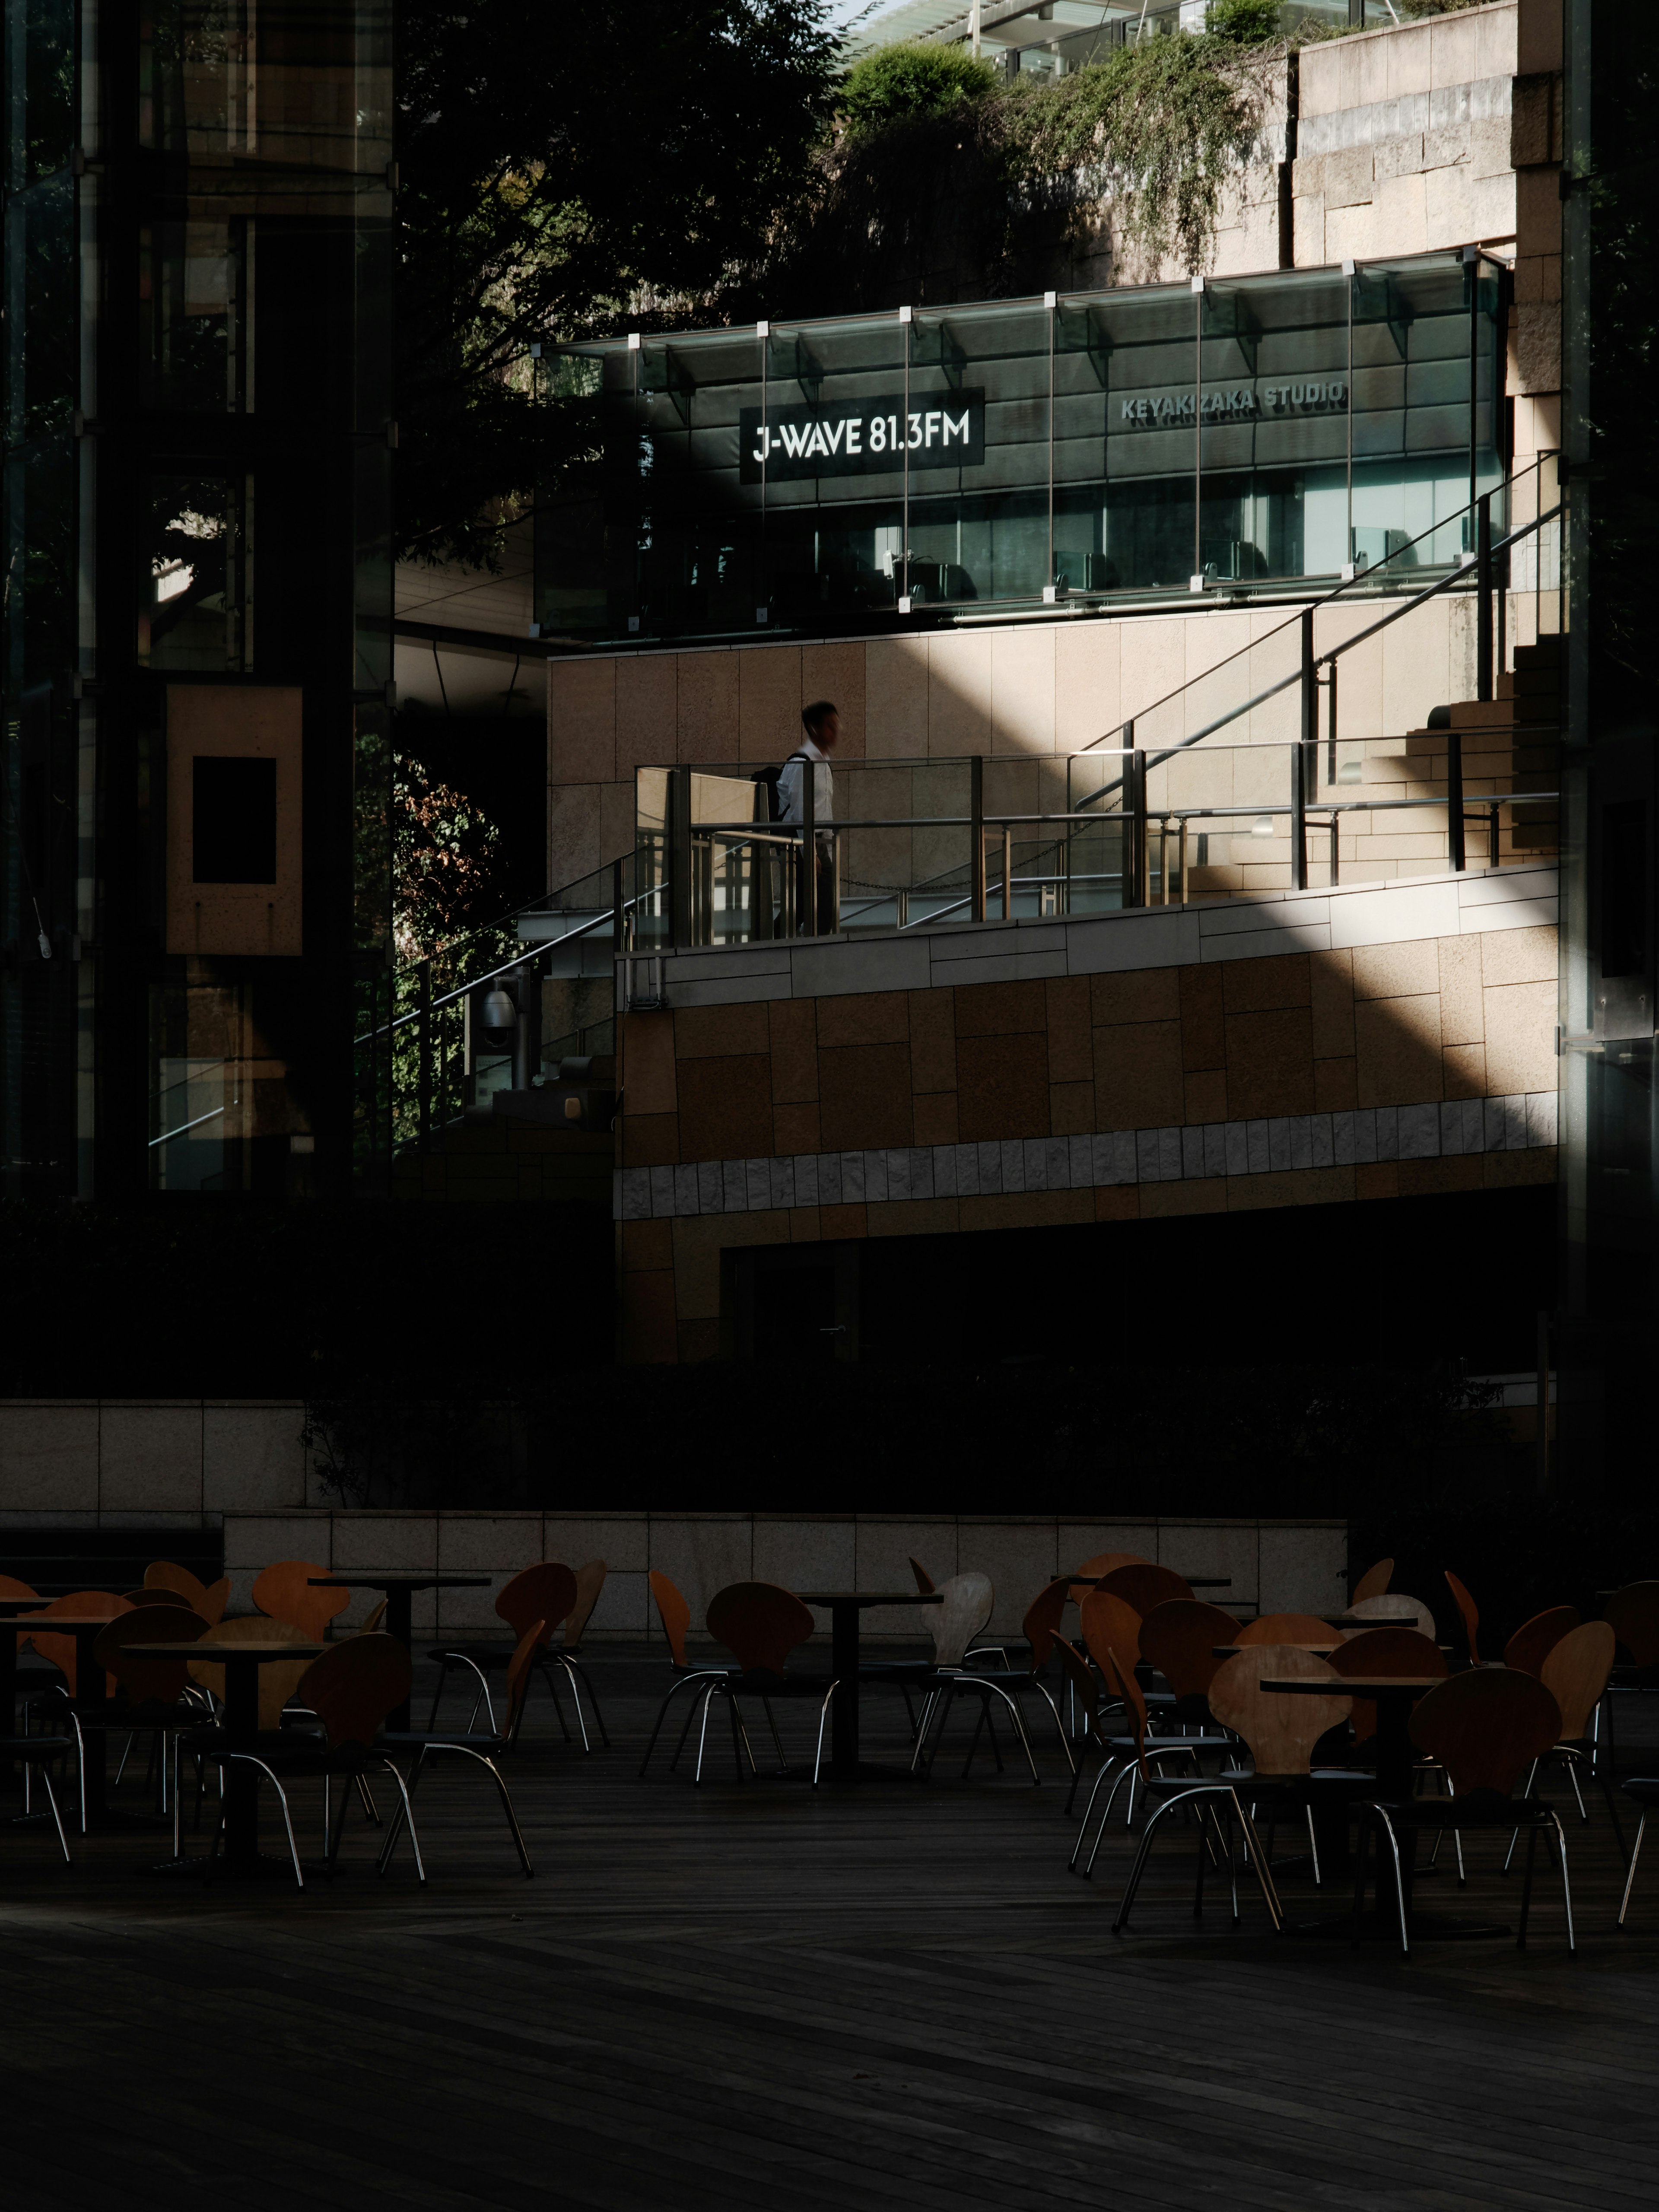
x,y
765,781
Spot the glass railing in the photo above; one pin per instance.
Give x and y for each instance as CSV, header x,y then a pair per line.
x,y
1401,724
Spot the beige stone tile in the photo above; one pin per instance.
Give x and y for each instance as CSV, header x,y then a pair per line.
x,y
622,1541
1330,978
624,1610
252,1457
1396,972
701,1554
1461,1011
1302,1570
802,1555
572,831
470,1543
1085,684
1144,994
1465,1071
149,1459
1152,662
647,1041
835,671
895,707
648,710
581,722
1139,1082
1397,1049
884,1549
1020,1558
709,706
1520,1038
1022,690
1518,956
959,694
1218,1548
48,1457
768,701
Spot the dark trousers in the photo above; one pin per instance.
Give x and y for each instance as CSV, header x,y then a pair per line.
x,y
828,914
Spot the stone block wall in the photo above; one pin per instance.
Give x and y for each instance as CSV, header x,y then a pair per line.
x,y
1316,1048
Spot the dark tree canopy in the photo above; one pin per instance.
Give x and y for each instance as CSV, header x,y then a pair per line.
x,y
559,165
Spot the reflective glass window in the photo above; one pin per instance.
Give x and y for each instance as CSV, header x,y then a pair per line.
x,y
196,578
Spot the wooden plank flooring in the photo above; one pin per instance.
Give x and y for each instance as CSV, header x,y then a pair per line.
x,y
756,1996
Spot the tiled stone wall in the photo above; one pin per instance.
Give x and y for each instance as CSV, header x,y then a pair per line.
x,y
1273,1566
146,1462
1283,1050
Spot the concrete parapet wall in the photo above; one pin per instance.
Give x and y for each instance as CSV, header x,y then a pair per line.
x,y
1273,1566
145,1462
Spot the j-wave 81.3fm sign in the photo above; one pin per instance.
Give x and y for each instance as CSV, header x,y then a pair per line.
x,y
863,437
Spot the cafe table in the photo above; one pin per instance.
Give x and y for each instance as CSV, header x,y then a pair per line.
x,y
241,1663
844,1609
9,1607
398,1590
1393,1695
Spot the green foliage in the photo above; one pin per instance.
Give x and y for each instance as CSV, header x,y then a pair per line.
x,y
1243,22
446,853
897,83
561,167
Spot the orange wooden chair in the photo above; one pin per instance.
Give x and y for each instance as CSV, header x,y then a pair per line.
x,y
567,1654
1374,1582
60,1650
1143,1585
285,1592
1130,1756
1533,1641
546,1592
1179,1638
1575,1671
675,1615
351,1689
150,1693
484,1749
1205,1796
761,1624
209,1600
1288,1628
924,1581
1485,1727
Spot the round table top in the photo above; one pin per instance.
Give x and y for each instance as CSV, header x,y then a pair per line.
x,y
221,1654
1354,1686
870,1597
51,1623
414,1579
1232,1650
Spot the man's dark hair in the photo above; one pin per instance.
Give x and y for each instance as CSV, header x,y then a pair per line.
x,y
815,715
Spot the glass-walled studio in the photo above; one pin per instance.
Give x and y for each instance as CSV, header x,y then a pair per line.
x,y
921,466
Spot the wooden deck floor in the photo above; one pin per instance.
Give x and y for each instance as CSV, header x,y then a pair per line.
x,y
758,1997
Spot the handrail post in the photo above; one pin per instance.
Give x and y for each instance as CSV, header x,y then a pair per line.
x,y
1455,799
424,1069
679,866
1483,685
1134,822
1007,871
977,811
809,851
1305,756
618,916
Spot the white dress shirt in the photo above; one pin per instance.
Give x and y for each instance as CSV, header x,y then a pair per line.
x,y
791,777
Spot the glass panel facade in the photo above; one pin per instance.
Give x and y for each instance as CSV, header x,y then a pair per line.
x,y
818,476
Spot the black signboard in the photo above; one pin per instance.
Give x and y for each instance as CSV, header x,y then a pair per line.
x,y
862,437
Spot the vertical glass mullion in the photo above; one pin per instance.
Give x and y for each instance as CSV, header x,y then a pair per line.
x,y
1197,582
1351,272
905,325
763,340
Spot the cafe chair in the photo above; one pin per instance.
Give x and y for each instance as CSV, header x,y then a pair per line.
x,y
675,1615
1179,1639
1143,1584
152,1696
1374,1582
37,1755
1004,1683
1533,1641
484,1749
924,1581
1469,1612
1207,1797
61,1651
285,1592
1282,1735
1575,1672
761,1624
1405,1651
544,1593
146,1596
1110,1621
567,1653
351,1689
207,1600
1642,1789
1632,1613
1485,1727
1287,1628
1128,1757
1389,1609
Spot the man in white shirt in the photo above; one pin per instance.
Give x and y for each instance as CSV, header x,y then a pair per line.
x,y
823,725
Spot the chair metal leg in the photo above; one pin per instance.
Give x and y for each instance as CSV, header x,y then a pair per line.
x,y
1313,1846
57,1817
1399,1882
405,1812
1566,1886
683,1683
126,1753
1630,1877
247,1759
823,1710
1106,1764
777,1740
443,1676
702,1736
579,1674
1612,1815
995,1689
